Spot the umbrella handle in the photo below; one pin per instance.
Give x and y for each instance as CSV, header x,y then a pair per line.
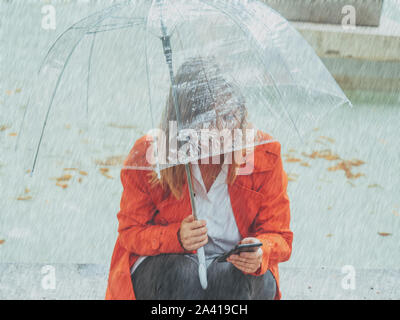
x,y
200,251
202,267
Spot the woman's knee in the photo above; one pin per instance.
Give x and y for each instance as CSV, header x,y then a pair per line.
x,y
228,282
265,288
177,267
167,276
178,279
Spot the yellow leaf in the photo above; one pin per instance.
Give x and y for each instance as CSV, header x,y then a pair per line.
x,y
24,198
384,234
292,160
64,186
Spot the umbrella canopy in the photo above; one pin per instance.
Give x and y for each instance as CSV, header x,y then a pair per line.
x,y
109,72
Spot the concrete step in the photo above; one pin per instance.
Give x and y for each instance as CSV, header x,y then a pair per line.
x,y
89,281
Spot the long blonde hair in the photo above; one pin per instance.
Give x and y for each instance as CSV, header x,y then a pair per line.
x,y
199,86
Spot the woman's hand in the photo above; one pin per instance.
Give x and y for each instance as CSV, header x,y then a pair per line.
x,y
193,233
248,262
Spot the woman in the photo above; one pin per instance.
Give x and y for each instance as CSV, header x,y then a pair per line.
x,y
155,253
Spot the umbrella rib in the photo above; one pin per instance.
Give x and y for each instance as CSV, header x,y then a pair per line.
x,y
112,27
88,76
148,87
101,18
52,47
104,16
51,104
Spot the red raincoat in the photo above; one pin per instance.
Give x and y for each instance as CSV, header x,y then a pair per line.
x,y
149,218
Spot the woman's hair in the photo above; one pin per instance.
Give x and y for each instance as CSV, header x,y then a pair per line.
x,y
200,89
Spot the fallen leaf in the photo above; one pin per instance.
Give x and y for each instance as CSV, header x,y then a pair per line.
x,y
329,208
292,176
327,138
80,180
83,173
346,167
70,169
356,162
374,186
329,235
292,159
64,186
65,177
121,126
292,150
27,190
112,161
384,234
104,171
396,213
4,127
18,90
305,164
323,154
13,134
2,241
24,198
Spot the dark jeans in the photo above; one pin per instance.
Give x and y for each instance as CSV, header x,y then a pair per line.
x,y
175,277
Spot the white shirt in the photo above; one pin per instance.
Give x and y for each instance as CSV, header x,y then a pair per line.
x,y
215,208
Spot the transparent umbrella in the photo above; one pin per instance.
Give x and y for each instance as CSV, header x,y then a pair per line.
x,y
203,66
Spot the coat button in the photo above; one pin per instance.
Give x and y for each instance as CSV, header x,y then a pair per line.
x,y
154,243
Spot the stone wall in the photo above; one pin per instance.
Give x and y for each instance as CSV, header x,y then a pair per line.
x,y
368,12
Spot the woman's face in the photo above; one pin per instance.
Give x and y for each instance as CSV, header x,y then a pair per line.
x,y
219,135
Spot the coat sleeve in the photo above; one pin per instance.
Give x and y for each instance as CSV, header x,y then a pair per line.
x,y
136,234
271,225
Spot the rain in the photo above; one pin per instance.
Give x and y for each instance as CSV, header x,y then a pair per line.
x,y
64,139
